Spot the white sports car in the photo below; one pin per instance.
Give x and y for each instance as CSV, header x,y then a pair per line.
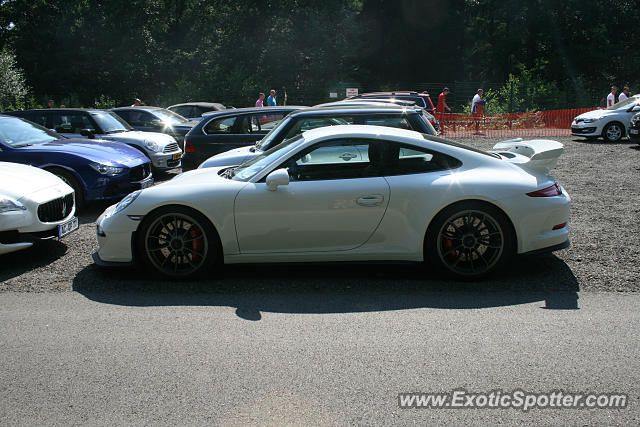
x,y
34,204
348,193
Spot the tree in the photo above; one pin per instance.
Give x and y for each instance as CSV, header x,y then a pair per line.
x,y
13,88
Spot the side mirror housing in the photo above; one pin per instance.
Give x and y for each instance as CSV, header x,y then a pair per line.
x,y
88,133
276,178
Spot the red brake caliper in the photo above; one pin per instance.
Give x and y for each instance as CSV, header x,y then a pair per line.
x,y
197,244
447,245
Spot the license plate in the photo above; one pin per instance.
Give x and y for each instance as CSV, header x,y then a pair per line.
x,y
177,156
634,131
68,227
146,184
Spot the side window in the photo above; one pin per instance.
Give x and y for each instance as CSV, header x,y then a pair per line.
x,y
307,123
405,159
264,122
389,121
140,118
69,122
184,110
223,125
336,159
125,115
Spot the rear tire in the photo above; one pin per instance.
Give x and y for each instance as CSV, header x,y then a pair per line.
x,y
72,182
469,240
613,132
178,242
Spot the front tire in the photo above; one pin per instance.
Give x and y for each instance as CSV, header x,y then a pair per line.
x,y
469,240
178,242
613,132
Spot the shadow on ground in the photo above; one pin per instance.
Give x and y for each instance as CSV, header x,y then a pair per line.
x,y
336,288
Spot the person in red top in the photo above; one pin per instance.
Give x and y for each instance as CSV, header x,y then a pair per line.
x,y
442,105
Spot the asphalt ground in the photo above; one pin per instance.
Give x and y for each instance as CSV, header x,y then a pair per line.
x,y
331,344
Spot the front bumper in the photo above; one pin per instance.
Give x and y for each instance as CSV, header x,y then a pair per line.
x,y
586,129
116,187
165,161
115,238
40,220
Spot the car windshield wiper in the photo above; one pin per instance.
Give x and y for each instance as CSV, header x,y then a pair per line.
x,y
229,172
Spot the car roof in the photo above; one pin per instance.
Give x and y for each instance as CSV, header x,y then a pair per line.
x,y
351,108
395,92
203,104
139,107
252,110
360,130
87,110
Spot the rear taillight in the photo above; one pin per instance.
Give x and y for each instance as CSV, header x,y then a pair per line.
x,y
188,147
551,191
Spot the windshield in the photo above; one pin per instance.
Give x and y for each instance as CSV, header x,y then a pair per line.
x,y
265,142
253,166
110,122
169,117
20,133
624,104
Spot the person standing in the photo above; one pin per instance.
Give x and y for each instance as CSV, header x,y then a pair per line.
x,y
442,104
611,98
271,100
259,102
50,104
477,108
624,95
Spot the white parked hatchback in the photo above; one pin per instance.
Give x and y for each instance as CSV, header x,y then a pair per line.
x,y
34,204
611,123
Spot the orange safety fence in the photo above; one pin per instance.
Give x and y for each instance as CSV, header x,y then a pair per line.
x,y
538,123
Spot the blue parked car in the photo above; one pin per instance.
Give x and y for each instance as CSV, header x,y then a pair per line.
x,y
95,169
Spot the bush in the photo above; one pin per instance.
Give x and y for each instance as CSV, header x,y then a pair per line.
x,y
13,88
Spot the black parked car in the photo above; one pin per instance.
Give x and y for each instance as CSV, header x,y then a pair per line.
x,y
195,110
156,119
414,118
634,129
221,131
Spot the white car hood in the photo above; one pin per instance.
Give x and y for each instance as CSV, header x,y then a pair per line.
x,y
18,181
598,113
131,137
231,157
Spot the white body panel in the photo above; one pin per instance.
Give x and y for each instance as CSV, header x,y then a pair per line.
x,y
28,187
325,220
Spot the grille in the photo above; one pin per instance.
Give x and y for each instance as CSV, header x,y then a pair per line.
x,y
140,172
171,147
56,210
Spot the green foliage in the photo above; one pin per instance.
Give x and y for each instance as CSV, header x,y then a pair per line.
x,y
103,102
214,50
13,88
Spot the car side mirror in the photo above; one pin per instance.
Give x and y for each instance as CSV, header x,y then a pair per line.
x,y
276,178
157,123
88,133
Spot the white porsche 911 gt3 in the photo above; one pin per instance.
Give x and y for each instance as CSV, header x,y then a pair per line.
x,y
348,193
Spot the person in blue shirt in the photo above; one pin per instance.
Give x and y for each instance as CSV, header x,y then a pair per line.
x,y
271,100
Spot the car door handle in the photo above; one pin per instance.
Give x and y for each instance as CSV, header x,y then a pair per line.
x,y
373,200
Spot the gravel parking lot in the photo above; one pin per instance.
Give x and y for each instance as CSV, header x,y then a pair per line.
x,y
602,179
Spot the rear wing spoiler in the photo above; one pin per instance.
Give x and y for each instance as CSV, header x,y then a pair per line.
x,y
538,154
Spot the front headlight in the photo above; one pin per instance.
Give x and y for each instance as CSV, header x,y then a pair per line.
x,y
106,169
593,119
10,205
126,201
151,145
635,120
